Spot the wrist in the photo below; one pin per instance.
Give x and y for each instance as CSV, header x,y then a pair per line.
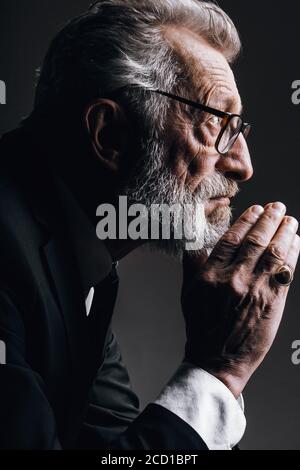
x,y
235,381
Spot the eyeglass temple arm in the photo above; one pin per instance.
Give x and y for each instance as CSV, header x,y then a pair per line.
x,y
202,107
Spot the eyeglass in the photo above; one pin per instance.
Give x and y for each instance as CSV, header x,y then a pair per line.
x,y
233,125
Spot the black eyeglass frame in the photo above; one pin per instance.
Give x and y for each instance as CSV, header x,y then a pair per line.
x,y
245,126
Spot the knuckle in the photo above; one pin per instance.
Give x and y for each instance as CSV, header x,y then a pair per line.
x,y
272,218
238,285
231,239
275,210
277,252
271,215
251,216
256,241
245,219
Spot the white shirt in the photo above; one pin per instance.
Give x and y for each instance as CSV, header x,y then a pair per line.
x,y
203,402
197,397
207,405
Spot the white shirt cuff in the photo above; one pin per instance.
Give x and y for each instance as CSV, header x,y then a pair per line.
x,y
207,405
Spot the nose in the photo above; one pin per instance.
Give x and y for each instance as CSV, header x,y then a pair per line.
x,y
237,165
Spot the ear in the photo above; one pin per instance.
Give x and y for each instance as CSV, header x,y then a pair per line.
x,y
106,125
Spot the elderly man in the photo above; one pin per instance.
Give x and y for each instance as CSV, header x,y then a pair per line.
x,y
138,99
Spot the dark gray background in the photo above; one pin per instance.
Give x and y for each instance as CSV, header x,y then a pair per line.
x,y
148,318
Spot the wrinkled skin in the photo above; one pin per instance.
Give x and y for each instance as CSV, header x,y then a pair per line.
x,y
232,306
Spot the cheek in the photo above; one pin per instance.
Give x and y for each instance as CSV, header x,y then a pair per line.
x,y
183,150
191,156
204,160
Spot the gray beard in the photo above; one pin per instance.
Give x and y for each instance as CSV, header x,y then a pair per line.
x,y
153,182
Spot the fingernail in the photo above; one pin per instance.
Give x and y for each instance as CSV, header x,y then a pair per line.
x,y
292,222
279,207
258,210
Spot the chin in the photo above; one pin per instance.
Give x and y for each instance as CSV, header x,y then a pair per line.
x,y
217,223
220,216
209,232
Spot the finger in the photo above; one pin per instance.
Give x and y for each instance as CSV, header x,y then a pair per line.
x,y
291,262
293,255
258,239
278,250
228,246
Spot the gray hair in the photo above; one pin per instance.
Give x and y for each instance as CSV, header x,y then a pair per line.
x,y
120,43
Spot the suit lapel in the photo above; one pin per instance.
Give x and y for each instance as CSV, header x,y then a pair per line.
x,y
85,338
70,298
86,335
58,214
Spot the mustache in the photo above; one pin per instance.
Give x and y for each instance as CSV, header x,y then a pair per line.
x,y
215,186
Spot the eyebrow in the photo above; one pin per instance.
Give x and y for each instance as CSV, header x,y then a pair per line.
x,y
226,104
209,109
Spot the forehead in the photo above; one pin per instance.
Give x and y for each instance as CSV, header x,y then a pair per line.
x,y
207,69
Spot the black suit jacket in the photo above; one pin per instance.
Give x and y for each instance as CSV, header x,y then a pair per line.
x,y
64,385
